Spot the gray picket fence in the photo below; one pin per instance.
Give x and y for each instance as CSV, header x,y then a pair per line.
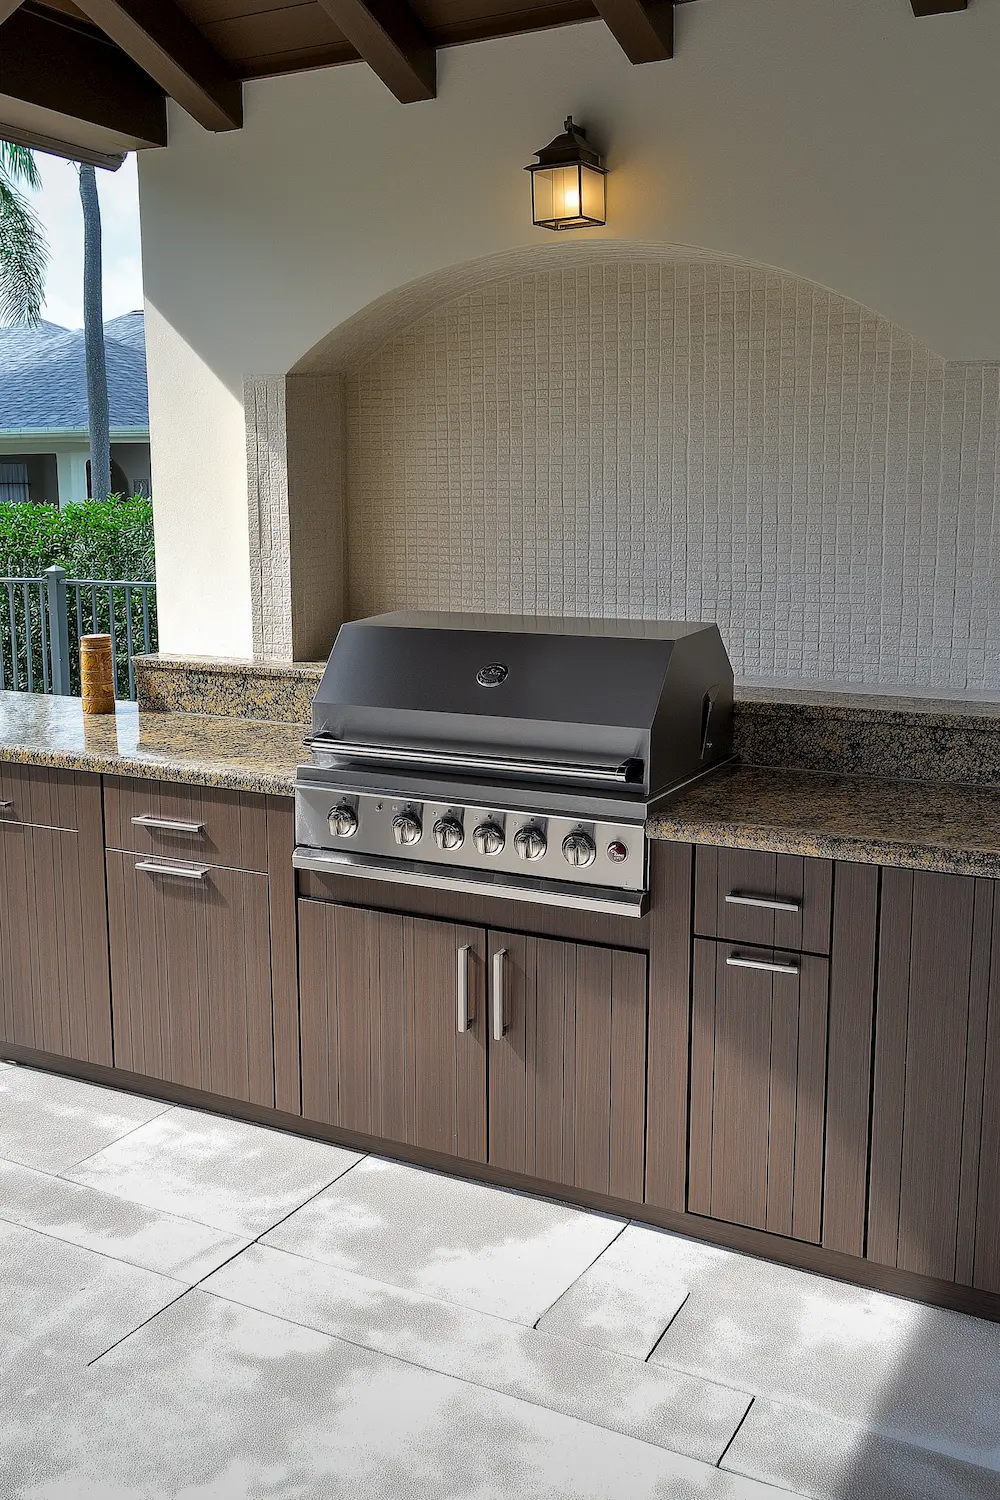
x,y
42,620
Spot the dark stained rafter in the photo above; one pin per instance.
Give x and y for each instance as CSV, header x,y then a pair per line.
x,y
53,65
157,35
392,40
937,7
644,29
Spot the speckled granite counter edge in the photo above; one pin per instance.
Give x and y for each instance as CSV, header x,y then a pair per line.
x,y
120,763
281,692
854,850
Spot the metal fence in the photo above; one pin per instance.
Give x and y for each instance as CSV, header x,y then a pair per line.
x,y
42,620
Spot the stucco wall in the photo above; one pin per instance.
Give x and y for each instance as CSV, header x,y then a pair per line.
x,y
841,140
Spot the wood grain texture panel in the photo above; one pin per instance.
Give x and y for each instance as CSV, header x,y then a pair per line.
x,y
896,912
566,1082
671,873
191,991
758,1072
282,922
379,1007
975,1081
235,823
752,872
986,1268
849,1066
54,982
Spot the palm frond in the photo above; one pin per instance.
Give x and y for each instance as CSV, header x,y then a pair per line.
x,y
24,259
17,164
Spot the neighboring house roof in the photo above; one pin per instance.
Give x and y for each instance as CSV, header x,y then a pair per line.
x,y
43,377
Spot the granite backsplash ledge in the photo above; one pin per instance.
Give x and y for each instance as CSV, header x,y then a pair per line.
x,y
881,735
279,691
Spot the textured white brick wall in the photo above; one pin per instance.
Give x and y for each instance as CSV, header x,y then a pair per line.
x,y
695,440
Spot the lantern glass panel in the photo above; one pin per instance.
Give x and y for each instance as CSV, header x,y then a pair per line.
x,y
567,197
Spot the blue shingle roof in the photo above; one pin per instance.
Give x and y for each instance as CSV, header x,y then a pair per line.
x,y
43,380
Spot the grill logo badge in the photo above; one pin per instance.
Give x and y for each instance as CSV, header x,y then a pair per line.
x,y
492,674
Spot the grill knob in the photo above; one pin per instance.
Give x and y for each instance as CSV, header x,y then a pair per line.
x,y
449,833
579,849
343,821
530,843
406,828
488,838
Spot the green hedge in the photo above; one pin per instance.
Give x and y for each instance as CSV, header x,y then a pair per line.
x,y
97,539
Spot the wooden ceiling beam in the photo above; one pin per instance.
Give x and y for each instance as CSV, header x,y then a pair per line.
x,y
644,29
392,41
937,7
64,70
158,36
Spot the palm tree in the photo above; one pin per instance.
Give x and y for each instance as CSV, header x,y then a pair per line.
x,y
24,255
93,338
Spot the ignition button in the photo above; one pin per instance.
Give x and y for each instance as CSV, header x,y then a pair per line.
x,y
617,852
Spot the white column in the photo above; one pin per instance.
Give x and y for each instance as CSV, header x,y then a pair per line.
x,y
71,476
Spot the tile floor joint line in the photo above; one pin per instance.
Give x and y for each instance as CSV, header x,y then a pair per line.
x,y
117,1260
139,1326
276,1225
667,1326
108,1144
567,1289
736,1434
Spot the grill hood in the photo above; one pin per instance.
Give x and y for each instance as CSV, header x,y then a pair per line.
x,y
642,704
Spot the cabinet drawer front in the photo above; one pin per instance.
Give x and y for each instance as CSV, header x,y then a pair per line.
x,y
190,976
170,820
44,798
771,900
758,1081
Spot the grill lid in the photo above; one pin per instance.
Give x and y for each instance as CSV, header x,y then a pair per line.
x,y
635,703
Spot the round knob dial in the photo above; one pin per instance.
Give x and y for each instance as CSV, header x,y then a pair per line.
x,y
488,838
406,828
579,849
449,833
530,843
343,821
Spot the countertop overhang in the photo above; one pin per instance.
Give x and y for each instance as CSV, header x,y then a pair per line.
x,y
952,828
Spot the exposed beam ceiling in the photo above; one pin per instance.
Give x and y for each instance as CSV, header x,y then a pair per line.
x,y
644,29
75,85
158,36
392,40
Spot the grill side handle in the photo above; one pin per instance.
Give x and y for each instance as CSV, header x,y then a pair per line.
x,y
626,772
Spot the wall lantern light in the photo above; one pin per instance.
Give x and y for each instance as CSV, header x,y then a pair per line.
x,y
568,182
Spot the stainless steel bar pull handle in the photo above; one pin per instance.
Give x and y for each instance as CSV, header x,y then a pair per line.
x,y
168,825
183,872
771,966
6,805
770,903
464,1018
499,975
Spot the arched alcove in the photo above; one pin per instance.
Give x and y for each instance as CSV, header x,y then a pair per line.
x,y
636,430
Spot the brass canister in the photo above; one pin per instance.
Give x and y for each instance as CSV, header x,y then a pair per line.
x,y
97,674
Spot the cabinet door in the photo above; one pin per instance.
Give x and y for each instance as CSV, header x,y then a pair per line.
x,y
384,1049
190,976
758,1066
567,1076
54,993
932,1193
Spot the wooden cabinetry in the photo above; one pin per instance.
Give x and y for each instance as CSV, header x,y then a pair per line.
x,y
382,1000
203,982
567,1074
54,994
758,1082
554,1043
933,1191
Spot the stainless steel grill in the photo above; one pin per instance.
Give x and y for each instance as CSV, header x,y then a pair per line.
x,y
508,755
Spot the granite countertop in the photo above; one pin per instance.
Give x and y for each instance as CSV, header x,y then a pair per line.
x,y
918,825
248,755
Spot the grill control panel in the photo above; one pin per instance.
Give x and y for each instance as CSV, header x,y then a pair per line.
x,y
501,840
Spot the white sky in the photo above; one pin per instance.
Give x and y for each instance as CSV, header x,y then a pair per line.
x,y
58,207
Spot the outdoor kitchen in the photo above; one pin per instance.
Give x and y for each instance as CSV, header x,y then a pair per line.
x,y
513,1007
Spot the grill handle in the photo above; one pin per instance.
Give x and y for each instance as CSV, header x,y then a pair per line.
x,y
497,765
